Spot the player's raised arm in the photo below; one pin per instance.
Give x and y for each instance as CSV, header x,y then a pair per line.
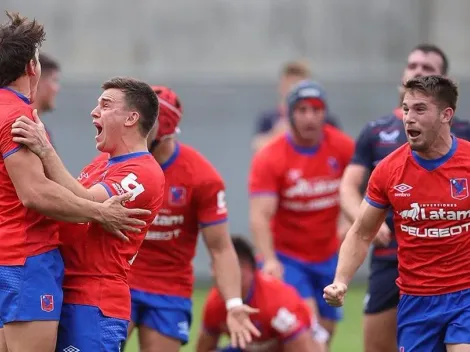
x,y
37,192
33,135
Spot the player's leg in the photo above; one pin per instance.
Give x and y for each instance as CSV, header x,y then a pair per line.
x,y
84,328
457,336
320,275
380,308
164,321
31,301
3,343
422,323
135,317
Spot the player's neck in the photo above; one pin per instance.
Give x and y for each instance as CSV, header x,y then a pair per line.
x,y
127,147
306,143
21,85
164,151
440,147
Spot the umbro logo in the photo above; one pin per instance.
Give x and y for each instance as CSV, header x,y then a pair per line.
x,y
402,190
71,349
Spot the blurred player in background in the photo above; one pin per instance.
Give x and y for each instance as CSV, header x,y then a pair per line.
x,y
162,274
31,268
294,199
425,182
377,140
48,85
274,122
284,319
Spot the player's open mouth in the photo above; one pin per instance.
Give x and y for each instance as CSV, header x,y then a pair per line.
x,y
413,133
99,129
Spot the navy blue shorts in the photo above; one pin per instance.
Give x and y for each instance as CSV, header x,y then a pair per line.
x,y
382,292
428,323
85,328
169,315
33,291
310,279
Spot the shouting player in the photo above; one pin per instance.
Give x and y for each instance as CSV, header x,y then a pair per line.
x,y
31,268
284,319
162,274
378,139
96,307
294,205
425,182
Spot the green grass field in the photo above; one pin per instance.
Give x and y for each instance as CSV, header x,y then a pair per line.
x,y
348,337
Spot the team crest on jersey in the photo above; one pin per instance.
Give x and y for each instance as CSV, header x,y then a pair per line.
x,y
333,164
47,303
459,188
177,195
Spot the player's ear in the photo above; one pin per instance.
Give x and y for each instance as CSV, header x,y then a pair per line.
x,y
447,114
132,119
31,68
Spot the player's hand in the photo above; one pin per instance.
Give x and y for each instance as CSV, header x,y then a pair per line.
x,y
32,134
240,327
334,294
274,268
383,237
116,218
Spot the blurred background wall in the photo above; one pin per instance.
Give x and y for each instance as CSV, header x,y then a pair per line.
x,y
223,58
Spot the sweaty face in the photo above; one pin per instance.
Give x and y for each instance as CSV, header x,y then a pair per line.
x,y
422,64
309,115
109,118
422,119
48,88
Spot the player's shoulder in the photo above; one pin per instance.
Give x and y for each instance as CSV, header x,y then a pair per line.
x,y
382,123
395,159
11,108
463,144
101,157
273,150
199,168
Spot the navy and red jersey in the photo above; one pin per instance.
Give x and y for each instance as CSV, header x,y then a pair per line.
x,y
378,139
97,263
23,232
430,201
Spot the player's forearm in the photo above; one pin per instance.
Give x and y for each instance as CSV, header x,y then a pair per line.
x,y
352,254
263,237
227,271
57,202
56,171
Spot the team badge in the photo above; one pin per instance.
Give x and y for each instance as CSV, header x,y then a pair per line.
x,y
459,188
177,195
47,303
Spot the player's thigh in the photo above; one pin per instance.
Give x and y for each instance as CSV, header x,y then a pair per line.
x,y
168,327
457,335
380,331
3,343
84,328
421,323
458,348
380,310
31,336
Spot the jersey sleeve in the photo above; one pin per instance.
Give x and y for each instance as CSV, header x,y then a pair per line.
x,y
210,199
376,194
263,178
7,146
213,315
363,149
290,317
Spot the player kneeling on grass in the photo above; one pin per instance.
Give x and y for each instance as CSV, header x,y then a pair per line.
x,y
284,319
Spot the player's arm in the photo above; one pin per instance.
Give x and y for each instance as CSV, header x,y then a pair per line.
x,y
212,317
355,174
37,192
371,215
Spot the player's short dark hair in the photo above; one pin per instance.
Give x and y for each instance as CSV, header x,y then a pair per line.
x,y
140,96
244,250
431,48
442,89
48,64
19,39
